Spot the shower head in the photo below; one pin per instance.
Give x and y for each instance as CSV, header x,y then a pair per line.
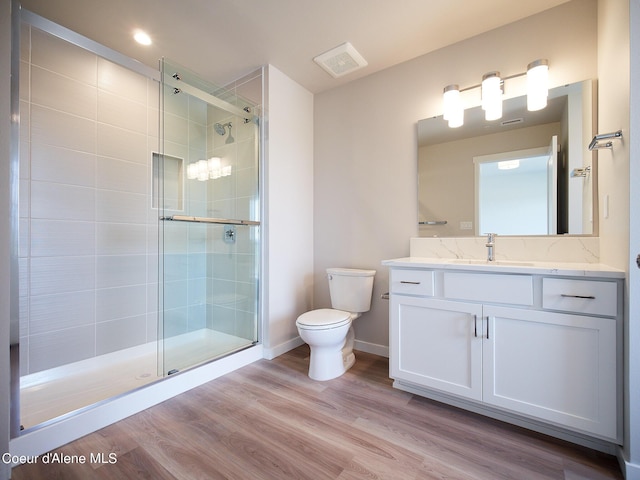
x,y
221,129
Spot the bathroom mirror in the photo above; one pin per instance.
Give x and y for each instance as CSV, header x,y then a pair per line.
x,y
451,184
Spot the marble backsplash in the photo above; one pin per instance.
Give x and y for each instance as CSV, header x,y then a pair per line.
x,y
537,249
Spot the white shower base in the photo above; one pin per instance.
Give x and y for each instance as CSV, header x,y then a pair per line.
x,y
51,393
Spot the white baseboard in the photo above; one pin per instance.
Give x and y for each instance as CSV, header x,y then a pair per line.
x,y
374,348
631,471
271,353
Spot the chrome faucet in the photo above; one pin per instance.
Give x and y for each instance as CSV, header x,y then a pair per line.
x,y
491,243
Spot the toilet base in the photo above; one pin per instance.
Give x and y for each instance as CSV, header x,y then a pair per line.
x,y
327,363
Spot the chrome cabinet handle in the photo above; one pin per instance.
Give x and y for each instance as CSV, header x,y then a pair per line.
x,y
410,283
589,297
487,327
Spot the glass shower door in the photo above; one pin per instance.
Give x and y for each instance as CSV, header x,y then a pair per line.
x,y
207,182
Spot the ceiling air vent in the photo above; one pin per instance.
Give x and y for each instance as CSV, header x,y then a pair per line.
x,y
513,121
341,60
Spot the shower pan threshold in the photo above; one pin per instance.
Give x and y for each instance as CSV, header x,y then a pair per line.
x,y
58,391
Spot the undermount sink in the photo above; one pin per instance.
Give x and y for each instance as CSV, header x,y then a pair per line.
x,y
471,261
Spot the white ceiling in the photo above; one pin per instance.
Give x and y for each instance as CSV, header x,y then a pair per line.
x,y
222,40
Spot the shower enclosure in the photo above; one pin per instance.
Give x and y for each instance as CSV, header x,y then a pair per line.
x,y
139,223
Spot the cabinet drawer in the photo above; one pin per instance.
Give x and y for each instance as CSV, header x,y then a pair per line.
x,y
412,282
489,288
580,296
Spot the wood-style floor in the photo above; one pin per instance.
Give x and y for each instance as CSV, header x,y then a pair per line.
x,y
270,421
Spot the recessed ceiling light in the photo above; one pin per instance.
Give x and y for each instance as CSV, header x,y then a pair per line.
x,y
142,37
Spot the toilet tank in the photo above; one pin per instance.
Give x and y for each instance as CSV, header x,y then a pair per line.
x,y
350,289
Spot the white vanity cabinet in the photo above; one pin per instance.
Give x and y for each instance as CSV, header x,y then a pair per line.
x,y
541,346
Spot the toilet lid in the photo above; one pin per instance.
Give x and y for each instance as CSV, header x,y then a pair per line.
x,y
324,318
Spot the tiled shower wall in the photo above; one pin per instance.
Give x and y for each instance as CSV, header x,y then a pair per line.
x,y
89,237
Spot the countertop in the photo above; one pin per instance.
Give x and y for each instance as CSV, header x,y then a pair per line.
x,y
509,266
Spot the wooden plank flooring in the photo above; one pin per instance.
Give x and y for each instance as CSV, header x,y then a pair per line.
x,y
270,421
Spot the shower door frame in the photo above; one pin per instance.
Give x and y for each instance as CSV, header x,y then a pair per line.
x,y
181,86
59,431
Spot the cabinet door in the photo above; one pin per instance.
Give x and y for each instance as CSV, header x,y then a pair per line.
x,y
434,344
556,367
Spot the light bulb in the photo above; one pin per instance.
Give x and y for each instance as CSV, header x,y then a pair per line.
x,y
453,110
537,85
492,95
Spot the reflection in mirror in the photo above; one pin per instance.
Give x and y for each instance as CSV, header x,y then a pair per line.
x,y
457,196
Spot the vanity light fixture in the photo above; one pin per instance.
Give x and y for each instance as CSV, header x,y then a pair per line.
x,y
492,88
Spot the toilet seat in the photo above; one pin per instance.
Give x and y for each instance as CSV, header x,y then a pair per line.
x,y
323,319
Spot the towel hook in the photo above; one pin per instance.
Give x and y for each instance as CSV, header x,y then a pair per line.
x,y
595,145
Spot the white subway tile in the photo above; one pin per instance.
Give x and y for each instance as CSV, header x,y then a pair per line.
x,y
61,347
61,165
65,310
153,95
120,270
176,294
121,81
197,294
152,326
176,129
62,93
51,275
123,144
63,57
110,338
121,207
197,319
120,239
62,202
52,127
55,238
198,110
122,112
197,136
114,174
120,302
175,237
175,322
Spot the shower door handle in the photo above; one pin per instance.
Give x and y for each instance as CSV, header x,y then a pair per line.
x,y
220,221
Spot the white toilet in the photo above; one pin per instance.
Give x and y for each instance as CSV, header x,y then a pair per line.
x,y
328,331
